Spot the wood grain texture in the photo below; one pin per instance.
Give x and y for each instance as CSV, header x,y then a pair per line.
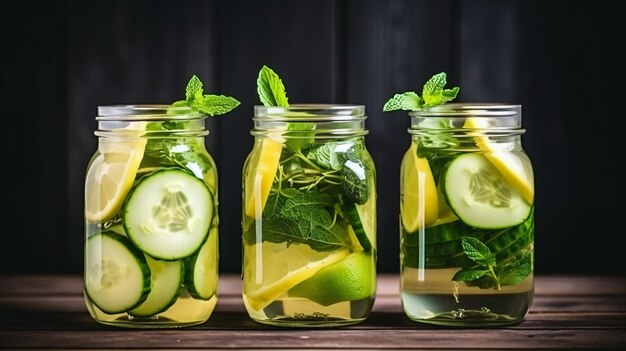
x,y
46,312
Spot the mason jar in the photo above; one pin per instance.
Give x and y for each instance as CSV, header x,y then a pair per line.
x,y
467,217
151,219
309,217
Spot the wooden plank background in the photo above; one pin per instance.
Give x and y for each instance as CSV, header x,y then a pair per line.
x,y
568,312
62,59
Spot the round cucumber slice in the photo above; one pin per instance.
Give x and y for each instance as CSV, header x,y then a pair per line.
x,y
117,276
480,195
167,282
168,214
201,274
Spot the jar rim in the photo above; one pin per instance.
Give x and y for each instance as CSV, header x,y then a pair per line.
x,y
310,112
470,109
147,112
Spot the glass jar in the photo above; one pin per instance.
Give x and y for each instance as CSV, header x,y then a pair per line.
x,y
309,217
151,219
467,217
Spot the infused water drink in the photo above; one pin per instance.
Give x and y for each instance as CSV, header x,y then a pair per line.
x,y
467,217
151,219
309,217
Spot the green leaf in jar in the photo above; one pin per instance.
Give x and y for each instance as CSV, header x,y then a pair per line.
x,y
469,274
306,217
477,251
516,272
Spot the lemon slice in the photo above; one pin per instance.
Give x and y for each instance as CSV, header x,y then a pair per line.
x,y
260,176
505,161
271,269
111,176
418,208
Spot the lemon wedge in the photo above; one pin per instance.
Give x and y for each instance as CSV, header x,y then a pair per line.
x,y
111,176
271,269
418,208
505,161
260,176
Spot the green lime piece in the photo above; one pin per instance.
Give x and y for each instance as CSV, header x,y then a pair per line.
x,y
347,280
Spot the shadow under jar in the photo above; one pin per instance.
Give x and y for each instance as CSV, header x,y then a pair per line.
x,y
309,217
151,222
467,217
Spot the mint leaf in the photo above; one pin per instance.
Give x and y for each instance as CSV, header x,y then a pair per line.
x,y
272,93
176,152
434,86
433,94
467,275
303,201
477,251
516,272
279,230
214,105
307,209
299,134
328,156
180,103
295,216
438,136
406,101
271,89
194,89
276,201
211,105
450,94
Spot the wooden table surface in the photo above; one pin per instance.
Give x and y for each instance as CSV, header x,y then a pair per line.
x,y
47,312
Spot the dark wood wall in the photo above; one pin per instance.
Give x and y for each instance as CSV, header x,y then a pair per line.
x,y
61,59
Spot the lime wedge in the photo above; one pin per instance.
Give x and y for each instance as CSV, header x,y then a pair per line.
x,y
271,269
350,279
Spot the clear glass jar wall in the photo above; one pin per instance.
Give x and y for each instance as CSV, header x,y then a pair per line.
x,y
309,217
151,224
467,217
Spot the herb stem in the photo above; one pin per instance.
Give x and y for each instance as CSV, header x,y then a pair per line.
x,y
307,161
494,277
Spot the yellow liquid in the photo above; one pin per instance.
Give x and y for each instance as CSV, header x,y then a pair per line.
x,y
436,299
301,312
185,311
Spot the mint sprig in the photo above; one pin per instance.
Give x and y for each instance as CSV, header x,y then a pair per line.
x,y
272,93
212,105
433,94
486,273
296,216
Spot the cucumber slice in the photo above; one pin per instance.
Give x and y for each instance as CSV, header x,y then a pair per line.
x,y
166,284
449,231
480,196
117,276
518,246
363,224
168,214
201,273
506,237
